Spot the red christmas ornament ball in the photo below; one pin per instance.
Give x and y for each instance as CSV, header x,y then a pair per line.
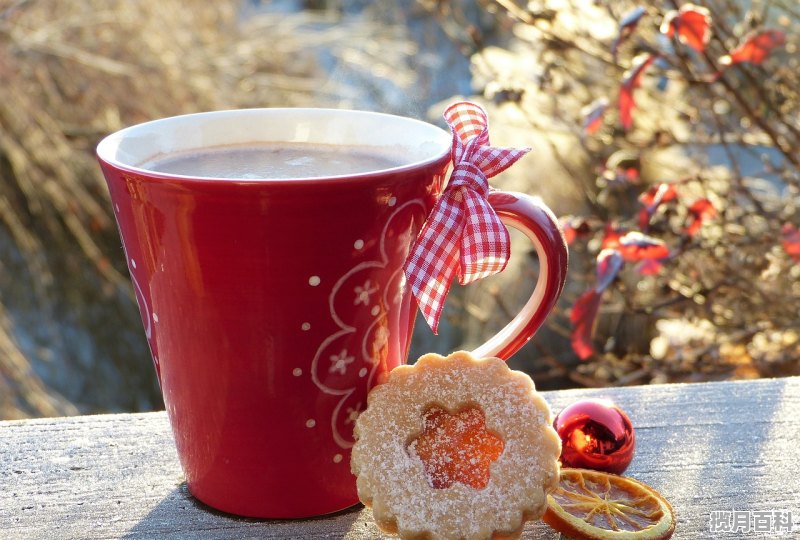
x,y
595,434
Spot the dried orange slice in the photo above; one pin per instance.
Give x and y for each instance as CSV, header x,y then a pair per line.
x,y
593,505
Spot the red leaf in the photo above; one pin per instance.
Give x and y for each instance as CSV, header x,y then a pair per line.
x,y
652,199
692,25
700,211
574,227
593,115
635,246
583,316
611,236
609,263
627,25
754,48
630,174
791,241
584,312
630,82
569,233
649,267
622,167
659,194
644,219
626,105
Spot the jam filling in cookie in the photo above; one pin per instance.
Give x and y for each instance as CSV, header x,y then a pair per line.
x,y
456,447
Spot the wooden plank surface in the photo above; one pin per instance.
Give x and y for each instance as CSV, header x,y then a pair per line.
x,y
732,446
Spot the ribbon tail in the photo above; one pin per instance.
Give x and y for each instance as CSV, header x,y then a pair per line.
x,y
485,242
433,260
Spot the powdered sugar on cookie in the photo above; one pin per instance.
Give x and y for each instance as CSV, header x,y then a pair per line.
x,y
456,390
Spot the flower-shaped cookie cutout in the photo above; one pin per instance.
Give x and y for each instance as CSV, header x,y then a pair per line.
x,y
456,447
481,415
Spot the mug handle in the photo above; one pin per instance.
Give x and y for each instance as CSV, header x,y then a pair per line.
x,y
531,216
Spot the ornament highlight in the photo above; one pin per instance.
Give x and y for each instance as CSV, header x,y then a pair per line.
x,y
595,434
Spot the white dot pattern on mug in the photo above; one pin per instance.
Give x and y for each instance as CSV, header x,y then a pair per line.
x,y
392,201
337,458
310,423
358,244
314,281
297,372
362,372
305,327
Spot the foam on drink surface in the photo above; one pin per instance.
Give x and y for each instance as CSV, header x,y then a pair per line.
x,y
278,160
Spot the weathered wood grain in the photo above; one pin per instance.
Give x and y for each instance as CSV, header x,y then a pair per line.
x,y
706,447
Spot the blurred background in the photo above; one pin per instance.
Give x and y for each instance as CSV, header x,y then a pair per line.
x,y
666,136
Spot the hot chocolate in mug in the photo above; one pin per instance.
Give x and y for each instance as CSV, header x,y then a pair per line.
x,y
272,303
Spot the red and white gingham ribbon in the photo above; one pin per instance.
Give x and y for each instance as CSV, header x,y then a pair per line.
x,y
463,234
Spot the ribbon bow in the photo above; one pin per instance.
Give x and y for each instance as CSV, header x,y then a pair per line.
x,y
463,234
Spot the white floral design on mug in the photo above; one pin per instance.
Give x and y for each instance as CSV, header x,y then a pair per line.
x,y
346,363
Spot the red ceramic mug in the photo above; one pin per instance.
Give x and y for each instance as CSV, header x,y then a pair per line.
x,y
272,306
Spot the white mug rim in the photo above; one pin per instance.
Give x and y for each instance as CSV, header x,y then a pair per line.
x,y
109,147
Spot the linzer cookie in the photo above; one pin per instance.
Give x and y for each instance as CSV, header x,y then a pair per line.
x,y
455,447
